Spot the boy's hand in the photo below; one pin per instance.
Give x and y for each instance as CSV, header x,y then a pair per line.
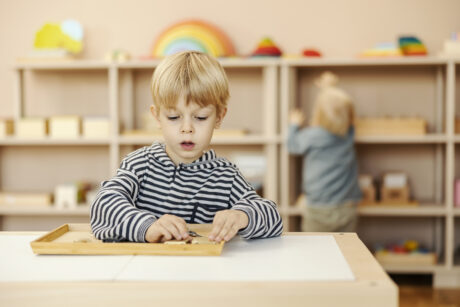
x,y
166,228
227,223
296,117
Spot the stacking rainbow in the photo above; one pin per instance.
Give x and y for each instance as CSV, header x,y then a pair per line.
x,y
193,35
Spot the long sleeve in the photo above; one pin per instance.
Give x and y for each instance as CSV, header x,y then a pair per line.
x,y
298,140
113,213
264,218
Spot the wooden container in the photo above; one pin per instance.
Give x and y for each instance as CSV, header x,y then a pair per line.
x,y
95,127
6,127
394,195
387,258
65,127
25,199
372,126
367,188
77,239
32,127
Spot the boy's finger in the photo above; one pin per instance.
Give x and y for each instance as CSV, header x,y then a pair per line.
x,y
182,227
233,231
173,231
217,225
224,230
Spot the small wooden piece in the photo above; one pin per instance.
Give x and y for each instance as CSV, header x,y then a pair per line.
x,y
77,239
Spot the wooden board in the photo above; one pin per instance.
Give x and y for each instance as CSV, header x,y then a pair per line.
x,y
406,259
77,239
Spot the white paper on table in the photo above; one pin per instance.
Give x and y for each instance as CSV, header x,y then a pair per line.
x,y
286,258
19,263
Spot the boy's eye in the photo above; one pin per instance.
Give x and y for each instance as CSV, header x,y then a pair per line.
x,y
201,117
173,117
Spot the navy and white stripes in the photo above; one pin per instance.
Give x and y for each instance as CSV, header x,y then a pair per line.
x,y
148,185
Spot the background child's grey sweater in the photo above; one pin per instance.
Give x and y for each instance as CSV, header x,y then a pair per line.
x,y
330,171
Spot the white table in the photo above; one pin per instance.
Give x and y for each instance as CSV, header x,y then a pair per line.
x,y
296,269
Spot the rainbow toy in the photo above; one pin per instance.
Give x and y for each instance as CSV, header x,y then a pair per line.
x,y
193,35
411,45
267,47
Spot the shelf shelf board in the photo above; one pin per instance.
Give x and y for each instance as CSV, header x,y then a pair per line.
x,y
403,139
397,61
217,140
62,65
50,141
457,138
421,210
81,210
226,62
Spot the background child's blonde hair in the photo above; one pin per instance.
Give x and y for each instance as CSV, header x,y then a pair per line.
x,y
333,109
193,75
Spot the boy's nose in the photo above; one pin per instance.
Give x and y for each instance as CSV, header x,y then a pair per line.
x,y
186,127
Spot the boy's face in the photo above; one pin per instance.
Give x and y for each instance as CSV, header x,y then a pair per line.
x,y
187,129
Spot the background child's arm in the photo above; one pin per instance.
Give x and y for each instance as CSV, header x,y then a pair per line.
x,y
298,140
264,219
113,213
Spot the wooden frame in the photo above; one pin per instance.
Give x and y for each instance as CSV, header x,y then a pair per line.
x,y
77,239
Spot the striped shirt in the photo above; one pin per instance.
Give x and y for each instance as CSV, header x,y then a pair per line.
x,y
148,185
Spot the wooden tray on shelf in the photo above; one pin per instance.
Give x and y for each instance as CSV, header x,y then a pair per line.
x,y
77,239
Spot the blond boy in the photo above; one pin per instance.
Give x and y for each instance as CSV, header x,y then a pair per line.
x,y
160,188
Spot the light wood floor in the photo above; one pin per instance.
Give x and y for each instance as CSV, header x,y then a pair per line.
x,y
416,291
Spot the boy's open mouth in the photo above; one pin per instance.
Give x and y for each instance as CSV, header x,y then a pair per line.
x,y
187,145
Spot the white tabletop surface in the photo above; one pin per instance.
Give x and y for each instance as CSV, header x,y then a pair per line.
x,y
286,258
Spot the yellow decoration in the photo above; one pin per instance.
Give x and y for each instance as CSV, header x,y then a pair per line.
x,y
51,36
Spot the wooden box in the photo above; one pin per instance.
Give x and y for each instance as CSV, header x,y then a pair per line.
x,y
394,195
77,239
64,127
95,127
6,127
32,127
369,126
367,188
406,259
25,199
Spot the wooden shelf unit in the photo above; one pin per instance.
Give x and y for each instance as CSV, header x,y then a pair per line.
x,y
296,91
282,78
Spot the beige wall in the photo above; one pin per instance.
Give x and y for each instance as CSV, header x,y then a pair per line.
x,y
336,27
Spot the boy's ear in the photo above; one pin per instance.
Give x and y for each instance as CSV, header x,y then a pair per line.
x,y
220,118
156,114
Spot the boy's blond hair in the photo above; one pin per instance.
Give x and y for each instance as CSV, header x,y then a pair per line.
x,y
333,109
193,75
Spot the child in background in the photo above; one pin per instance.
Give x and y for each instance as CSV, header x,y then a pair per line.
x,y
158,189
330,172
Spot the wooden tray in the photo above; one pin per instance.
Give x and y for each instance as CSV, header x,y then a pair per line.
x,y
406,259
77,239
